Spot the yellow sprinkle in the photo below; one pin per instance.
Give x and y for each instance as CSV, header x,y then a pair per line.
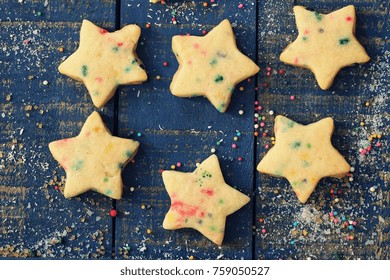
x,y
205,4
60,49
191,257
361,123
158,77
143,206
374,135
379,136
173,166
273,142
272,138
148,231
241,88
367,104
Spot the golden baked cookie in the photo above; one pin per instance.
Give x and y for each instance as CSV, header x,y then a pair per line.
x,y
303,154
105,60
94,159
210,66
325,43
201,200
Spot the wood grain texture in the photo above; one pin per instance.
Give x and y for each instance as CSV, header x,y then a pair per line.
x,y
37,221
182,130
307,231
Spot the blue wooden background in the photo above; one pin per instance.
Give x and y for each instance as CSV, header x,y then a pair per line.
x,y
37,221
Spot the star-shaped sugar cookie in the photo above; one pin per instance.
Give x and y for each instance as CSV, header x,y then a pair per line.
x,y
210,66
105,60
325,43
201,200
303,154
94,159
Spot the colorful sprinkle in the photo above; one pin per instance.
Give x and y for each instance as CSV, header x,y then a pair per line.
x,y
113,213
344,41
84,70
218,79
318,16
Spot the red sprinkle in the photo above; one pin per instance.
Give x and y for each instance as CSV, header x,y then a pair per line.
x,y
56,188
113,213
281,72
103,31
165,63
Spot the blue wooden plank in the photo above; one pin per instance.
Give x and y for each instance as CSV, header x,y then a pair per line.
x,y
36,220
182,130
278,211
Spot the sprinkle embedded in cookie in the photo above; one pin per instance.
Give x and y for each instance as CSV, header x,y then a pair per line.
x,y
325,43
94,159
210,66
201,200
105,60
303,154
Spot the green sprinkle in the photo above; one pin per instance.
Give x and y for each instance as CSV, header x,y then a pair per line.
x,y
318,16
127,69
115,49
134,61
84,70
296,144
304,38
221,107
96,93
214,61
218,79
105,179
120,165
206,174
108,192
308,145
344,41
220,201
213,228
186,220
77,165
129,153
